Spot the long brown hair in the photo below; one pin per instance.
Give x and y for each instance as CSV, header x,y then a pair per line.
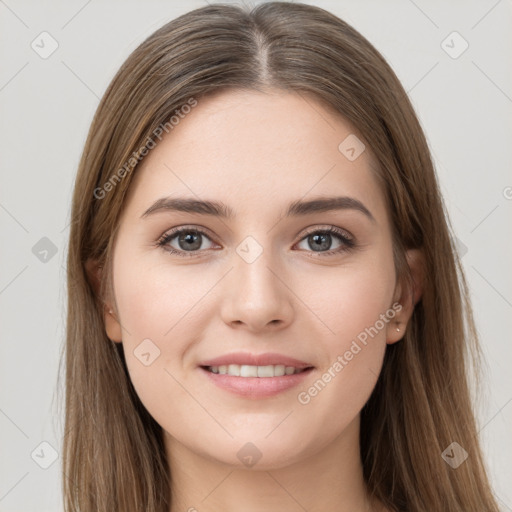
x,y
113,454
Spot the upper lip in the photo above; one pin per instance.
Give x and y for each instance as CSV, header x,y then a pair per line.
x,y
246,358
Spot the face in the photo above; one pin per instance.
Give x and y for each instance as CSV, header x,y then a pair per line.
x,y
265,289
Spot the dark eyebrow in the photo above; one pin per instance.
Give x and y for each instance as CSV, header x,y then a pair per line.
x,y
327,204
296,208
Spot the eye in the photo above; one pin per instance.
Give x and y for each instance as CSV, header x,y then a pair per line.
x,y
189,240
320,239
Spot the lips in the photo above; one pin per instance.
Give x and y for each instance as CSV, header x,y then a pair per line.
x,y
255,376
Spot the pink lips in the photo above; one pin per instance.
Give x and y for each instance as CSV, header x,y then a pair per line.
x,y
256,387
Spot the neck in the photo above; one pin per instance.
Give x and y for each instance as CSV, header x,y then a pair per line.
x,y
329,480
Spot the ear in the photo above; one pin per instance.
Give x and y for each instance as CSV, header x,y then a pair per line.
x,y
112,325
407,295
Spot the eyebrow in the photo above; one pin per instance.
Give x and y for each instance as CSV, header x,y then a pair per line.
x,y
218,209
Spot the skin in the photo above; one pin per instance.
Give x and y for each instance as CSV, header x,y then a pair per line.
x,y
257,152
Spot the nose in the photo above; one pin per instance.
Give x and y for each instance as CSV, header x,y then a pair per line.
x,y
256,296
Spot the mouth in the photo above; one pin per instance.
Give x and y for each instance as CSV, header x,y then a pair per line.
x,y
267,371
255,376
256,381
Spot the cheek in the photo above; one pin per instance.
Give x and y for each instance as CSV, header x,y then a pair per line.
x,y
158,319
156,302
356,308
354,299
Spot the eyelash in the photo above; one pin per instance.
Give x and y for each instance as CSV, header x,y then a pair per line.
x,y
348,242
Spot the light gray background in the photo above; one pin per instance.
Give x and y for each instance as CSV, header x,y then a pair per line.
x,y
464,105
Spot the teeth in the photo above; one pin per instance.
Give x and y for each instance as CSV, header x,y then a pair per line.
x,y
234,369
245,370
268,371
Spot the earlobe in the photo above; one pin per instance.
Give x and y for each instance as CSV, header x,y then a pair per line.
x,y
407,295
112,325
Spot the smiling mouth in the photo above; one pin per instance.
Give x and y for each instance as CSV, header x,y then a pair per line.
x,y
242,370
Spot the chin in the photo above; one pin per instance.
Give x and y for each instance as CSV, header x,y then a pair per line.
x,y
261,454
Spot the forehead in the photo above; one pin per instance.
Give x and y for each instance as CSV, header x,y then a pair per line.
x,y
255,150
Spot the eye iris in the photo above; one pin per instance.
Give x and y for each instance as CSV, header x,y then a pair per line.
x,y
322,241
192,240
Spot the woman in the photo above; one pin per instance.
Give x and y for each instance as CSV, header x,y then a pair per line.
x,y
266,309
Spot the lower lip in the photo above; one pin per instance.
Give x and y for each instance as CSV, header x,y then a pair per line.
x,y
256,387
